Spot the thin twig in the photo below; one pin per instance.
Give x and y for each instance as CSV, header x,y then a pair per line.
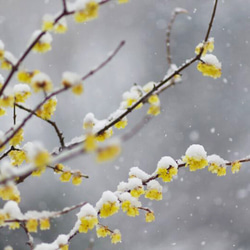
x,y
52,123
145,120
30,47
30,241
60,91
169,29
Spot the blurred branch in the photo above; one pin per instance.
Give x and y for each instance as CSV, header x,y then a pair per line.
x,y
169,29
52,123
30,241
30,47
59,91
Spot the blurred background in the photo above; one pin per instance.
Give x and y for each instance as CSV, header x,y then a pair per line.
x,y
199,210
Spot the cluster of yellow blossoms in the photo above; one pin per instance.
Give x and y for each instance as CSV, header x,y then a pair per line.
x,y
209,65
196,158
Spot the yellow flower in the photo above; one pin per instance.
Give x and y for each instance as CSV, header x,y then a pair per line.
x,y
64,247
21,92
32,225
41,82
17,157
122,123
14,225
2,111
216,165
116,237
7,101
8,61
39,171
3,217
167,174
236,166
208,46
77,89
89,12
153,194
17,138
154,190
44,43
48,109
102,231
154,110
149,216
108,152
58,168
108,209
90,143
48,22
87,223
61,26
41,159
129,208
26,76
65,176
210,66
195,157
154,100
44,224
137,192
123,1
76,178
105,135
10,192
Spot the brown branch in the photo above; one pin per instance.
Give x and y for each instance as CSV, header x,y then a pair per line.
x,y
30,241
30,47
60,91
169,29
52,123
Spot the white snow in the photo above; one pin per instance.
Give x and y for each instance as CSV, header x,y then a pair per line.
x,y
216,159
46,38
72,78
87,210
107,196
21,87
166,162
8,56
153,184
137,172
211,60
197,151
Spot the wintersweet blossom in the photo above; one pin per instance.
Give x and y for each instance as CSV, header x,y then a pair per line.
x,y
236,166
76,178
108,204
102,231
32,225
17,138
8,61
17,157
26,76
43,44
85,11
129,204
48,109
87,217
90,142
116,237
154,190
41,82
61,26
21,92
207,46
167,168
149,216
216,165
210,66
65,176
44,224
108,151
10,191
48,22
195,157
